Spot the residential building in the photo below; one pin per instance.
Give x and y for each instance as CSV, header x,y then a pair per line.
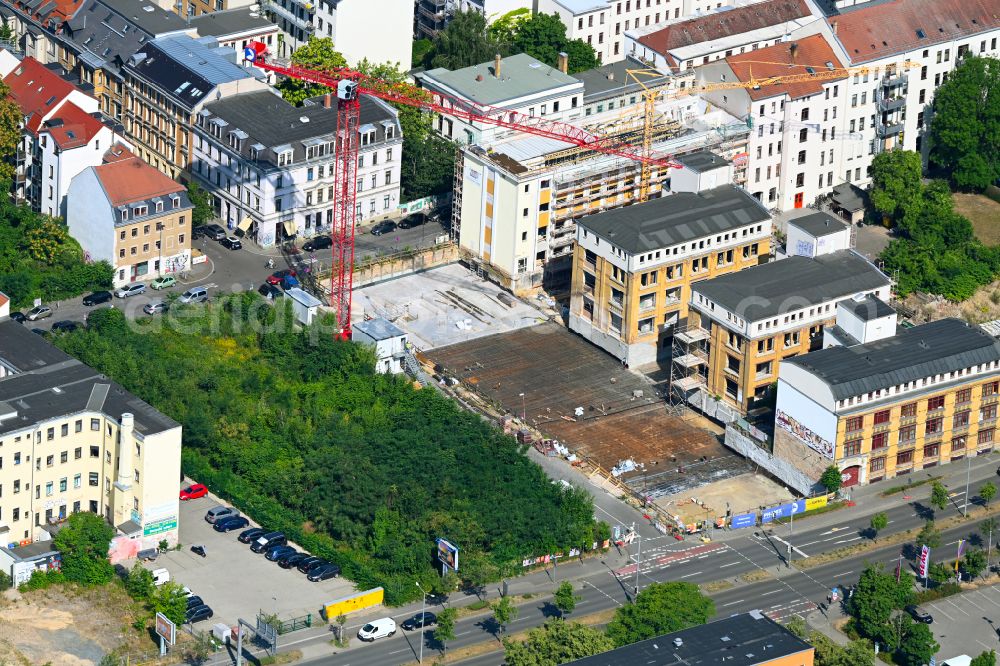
x,y
815,234
387,340
269,165
168,82
747,639
192,8
129,214
920,398
73,440
633,267
235,28
728,31
743,325
801,140
432,16
63,133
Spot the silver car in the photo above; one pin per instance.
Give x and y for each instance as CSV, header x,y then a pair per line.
x,y
156,307
39,312
131,290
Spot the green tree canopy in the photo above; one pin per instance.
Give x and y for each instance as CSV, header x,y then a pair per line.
x,y
876,596
987,492
464,42
170,600
556,643
83,543
974,562
202,213
831,479
828,653
543,37
504,612
139,584
10,130
917,647
565,598
878,523
939,496
318,53
965,129
929,535
659,609
445,629
985,659
896,182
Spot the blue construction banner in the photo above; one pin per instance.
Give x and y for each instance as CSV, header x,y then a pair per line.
x,y
782,511
743,520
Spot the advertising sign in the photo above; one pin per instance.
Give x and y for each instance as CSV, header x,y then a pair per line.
x,y
159,527
924,562
815,502
447,554
805,435
353,602
743,520
166,629
782,511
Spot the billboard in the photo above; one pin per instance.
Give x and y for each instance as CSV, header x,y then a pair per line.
x,y
923,564
782,511
166,629
447,554
816,502
743,520
354,602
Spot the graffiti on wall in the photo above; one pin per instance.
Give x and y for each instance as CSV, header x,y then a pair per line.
x,y
804,434
176,263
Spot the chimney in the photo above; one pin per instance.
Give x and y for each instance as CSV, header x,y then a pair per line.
x,y
126,445
833,26
326,100
793,50
563,62
496,65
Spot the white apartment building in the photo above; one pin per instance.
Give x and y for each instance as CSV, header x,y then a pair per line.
x,y
380,32
269,165
799,144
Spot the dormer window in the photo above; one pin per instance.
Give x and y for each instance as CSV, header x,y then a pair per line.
x,y
140,211
159,206
285,158
175,201
390,131
124,214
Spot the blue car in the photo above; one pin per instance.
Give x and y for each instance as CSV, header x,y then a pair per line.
x,y
230,524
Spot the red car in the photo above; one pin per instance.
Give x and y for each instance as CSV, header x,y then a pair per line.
x,y
278,276
194,492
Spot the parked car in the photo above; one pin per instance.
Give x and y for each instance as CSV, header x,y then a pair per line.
x,y
276,553
231,242
318,243
919,615
39,312
420,621
215,232
133,289
246,536
291,559
65,326
230,524
194,492
97,298
289,282
147,554
199,232
163,282
156,307
270,292
305,565
277,277
323,573
160,576
194,601
376,629
199,549
267,541
220,512
198,613
415,220
384,227
194,295
18,317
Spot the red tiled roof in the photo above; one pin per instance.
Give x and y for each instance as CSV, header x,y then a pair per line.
x,y
882,30
77,129
37,90
812,52
127,181
725,24
117,153
56,11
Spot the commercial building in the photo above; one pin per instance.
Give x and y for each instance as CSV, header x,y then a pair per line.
x,y
73,440
887,407
129,214
269,165
801,141
633,267
743,325
747,639
168,82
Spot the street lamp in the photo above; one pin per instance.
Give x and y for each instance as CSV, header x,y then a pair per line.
x,y
423,603
638,561
523,409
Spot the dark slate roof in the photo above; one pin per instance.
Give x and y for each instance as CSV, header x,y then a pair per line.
x,y
791,284
701,160
748,639
848,196
868,308
935,348
819,224
229,22
48,383
271,122
676,218
612,80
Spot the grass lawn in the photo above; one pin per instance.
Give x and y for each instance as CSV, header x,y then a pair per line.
x,y
983,212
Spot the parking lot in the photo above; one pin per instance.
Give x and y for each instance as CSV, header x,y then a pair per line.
x,y
966,623
236,582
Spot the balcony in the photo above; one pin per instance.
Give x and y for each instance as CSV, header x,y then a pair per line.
x,y
291,16
891,103
896,80
891,129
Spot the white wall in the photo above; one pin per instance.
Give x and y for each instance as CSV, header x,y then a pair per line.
x,y
800,410
90,218
380,31
800,243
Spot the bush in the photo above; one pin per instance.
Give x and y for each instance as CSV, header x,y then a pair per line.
x,y
42,579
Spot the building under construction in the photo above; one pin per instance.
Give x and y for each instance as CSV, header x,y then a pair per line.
x,y
516,202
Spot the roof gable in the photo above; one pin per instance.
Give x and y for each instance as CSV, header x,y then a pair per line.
x,y
811,54
37,90
72,127
131,180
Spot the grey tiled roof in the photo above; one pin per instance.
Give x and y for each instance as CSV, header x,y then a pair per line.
x,y
819,224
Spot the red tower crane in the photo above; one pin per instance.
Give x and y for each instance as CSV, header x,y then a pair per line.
x,y
349,84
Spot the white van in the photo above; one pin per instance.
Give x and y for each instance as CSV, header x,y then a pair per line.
x,y
375,629
194,295
161,576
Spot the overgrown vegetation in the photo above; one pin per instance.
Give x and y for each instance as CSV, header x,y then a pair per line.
x,y
300,433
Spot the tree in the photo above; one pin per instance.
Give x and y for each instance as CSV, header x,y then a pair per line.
x,y
10,131
917,647
987,492
504,612
974,562
896,183
831,479
198,651
878,523
985,659
564,598
202,213
875,597
318,53
465,42
543,37
445,629
84,543
964,140
427,167
928,536
503,28
139,584
860,652
661,608
939,496
170,600
939,572
987,528
556,643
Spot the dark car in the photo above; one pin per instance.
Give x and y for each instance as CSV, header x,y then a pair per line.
x,y
215,232
194,602
231,242
305,565
198,613
65,326
230,524
919,615
18,317
278,276
419,621
415,220
199,232
318,243
246,536
324,572
97,298
383,227
266,542
291,559
273,554
270,292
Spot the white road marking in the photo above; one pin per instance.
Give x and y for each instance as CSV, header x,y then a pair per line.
x,y
696,573
957,607
848,540
842,574
723,566
733,603
764,594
